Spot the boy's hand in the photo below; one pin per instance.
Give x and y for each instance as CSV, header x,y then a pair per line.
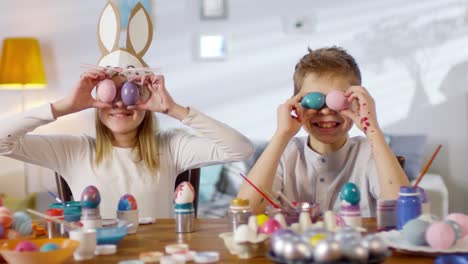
x,y
289,124
364,116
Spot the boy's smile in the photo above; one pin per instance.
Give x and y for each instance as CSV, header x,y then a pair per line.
x,y
327,129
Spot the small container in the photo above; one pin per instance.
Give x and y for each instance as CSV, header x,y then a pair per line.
x,y
131,217
55,230
91,218
351,215
239,212
185,218
409,205
386,215
71,210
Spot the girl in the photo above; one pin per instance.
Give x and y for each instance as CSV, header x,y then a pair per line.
x,y
128,154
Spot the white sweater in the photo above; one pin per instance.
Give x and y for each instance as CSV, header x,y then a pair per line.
x,y
73,157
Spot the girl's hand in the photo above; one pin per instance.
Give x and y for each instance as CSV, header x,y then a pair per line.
x,y
364,116
159,99
288,123
81,97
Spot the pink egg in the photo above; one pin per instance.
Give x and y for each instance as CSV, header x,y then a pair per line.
x,y
184,193
26,246
460,219
336,100
270,226
6,217
106,91
440,235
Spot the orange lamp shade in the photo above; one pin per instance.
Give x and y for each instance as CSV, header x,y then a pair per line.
x,y
21,64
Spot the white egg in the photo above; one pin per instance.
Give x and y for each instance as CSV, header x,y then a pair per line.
x,y
184,193
244,233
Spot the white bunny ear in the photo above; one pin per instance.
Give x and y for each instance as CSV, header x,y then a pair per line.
x,y
140,31
109,28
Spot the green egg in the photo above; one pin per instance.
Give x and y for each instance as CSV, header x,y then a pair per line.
x,y
313,100
350,193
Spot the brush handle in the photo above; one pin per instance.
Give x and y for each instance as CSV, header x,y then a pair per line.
x,y
259,191
423,172
53,219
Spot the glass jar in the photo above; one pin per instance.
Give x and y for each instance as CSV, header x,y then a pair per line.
x,y
239,212
408,205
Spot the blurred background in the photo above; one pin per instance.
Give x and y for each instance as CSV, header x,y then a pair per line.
x,y
234,60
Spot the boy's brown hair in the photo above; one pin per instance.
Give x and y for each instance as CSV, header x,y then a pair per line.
x,y
334,61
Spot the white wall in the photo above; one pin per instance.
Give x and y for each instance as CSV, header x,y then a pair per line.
x,y
413,58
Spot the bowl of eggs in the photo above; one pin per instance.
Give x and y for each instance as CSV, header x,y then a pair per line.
x,y
56,250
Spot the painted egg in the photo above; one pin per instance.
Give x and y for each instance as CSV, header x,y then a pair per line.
x,y
456,227
279,241
106,91
462,220
314,235
130,93
347,234
414,231
184,193
336,100
127,203
261,219
269,227
328,250
376,246
6,217
49,247
90,197
313,100
296,249
355,251
278,234
350,193
440,235
26,246
22,223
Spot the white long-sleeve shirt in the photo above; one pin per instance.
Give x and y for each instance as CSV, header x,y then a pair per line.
x,y
73,157
305,175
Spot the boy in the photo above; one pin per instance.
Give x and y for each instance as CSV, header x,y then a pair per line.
x,y
315,168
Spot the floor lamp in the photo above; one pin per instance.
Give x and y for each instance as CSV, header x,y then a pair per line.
x,y
21,68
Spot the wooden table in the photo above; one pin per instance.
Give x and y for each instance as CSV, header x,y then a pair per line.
x,y
156,236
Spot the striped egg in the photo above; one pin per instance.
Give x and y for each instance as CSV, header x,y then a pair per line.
x,y
6,217
22,223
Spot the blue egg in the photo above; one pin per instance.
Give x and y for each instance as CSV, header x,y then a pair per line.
x,y
350,193
49,247
90,197
22,223
414,231
313,100
130,93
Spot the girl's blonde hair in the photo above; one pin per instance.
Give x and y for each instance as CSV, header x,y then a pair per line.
x,y
146,145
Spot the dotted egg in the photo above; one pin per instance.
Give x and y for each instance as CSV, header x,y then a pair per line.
x,y
127,203
269,227
26,246
106,91
130,93
184,193
350,193
90,197
336,100
22,223
313,100
6,217
49,247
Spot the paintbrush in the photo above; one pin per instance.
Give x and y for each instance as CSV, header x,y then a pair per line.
x,y
259,191
283,197
53,219
423,172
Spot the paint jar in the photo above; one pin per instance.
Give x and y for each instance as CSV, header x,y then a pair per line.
x,y
386,214
239,212
409,205
55,230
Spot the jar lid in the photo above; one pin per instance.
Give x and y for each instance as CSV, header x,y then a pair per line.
x,y
239,202
408,190
54,212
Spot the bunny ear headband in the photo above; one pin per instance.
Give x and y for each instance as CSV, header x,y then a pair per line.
x,y
126,60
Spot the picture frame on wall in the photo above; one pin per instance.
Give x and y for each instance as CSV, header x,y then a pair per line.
x,y
213,9
211,47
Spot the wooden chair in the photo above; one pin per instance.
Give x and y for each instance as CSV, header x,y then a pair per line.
x,y
192,176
